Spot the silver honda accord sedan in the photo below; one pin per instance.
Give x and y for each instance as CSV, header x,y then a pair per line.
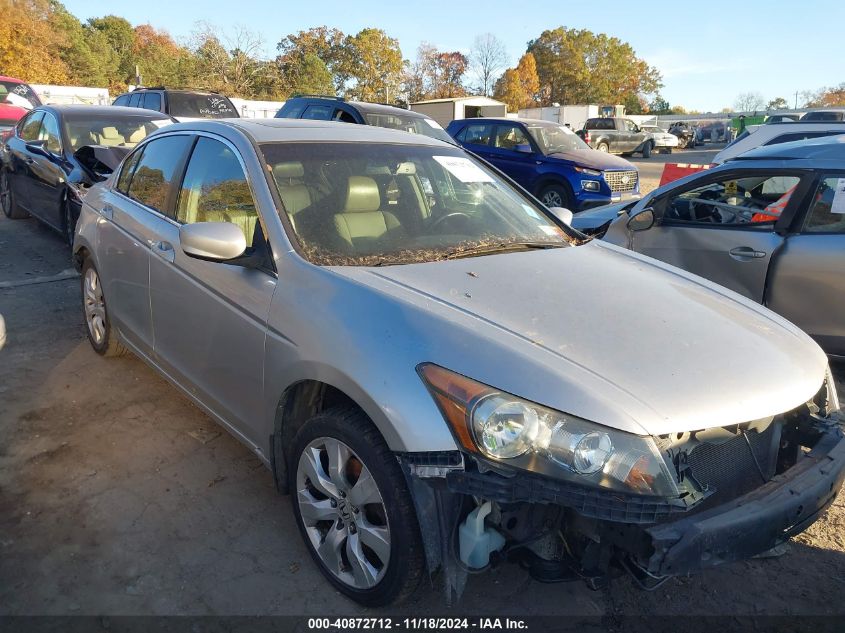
x,y
441,373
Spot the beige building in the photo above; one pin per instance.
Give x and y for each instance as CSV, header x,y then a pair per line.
x,y
444,111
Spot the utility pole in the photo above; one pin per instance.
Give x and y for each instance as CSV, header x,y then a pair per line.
x,y
796,99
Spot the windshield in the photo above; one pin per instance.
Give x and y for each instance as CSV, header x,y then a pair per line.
x,y
556,138
366,204
111,131
17,94
412,124
189,104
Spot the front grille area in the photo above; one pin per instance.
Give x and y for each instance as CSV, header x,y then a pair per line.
x,y
621,181
734,468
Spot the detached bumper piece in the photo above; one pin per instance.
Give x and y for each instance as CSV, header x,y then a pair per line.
x,y
755,522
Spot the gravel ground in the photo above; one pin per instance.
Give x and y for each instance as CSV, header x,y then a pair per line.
x,y
118,496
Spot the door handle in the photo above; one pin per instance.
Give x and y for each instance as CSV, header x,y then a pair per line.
x,y
29,160
108,211
164,250
746,253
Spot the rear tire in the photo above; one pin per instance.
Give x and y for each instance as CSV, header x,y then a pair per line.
x,y
101,334
364,538
557,195
7,200
69,225
603,147
647,150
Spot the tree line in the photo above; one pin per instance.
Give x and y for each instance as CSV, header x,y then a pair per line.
x,y
42,42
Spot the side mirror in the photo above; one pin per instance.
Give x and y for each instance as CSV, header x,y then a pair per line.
x,y
38,147
564,215
642,221
524,148
213,241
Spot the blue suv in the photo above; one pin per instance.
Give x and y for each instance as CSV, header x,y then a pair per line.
x,y
550,161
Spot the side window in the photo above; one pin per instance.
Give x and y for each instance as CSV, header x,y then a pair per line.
x,y
152,101
293,112
630,125
215,189
343,116
135,100
30,126
800,136
476,134
509,136
158,166
318,112
50,134
827,210
126,172
752,200
606,124
122,100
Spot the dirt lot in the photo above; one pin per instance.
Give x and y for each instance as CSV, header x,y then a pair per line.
x,y
117,496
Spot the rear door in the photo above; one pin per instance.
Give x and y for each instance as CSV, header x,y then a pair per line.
x,y
136,209
807,277
725,227
210,318
521,166
477,137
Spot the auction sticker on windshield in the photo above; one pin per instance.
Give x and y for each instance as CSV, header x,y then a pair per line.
x,y
838,205
463,169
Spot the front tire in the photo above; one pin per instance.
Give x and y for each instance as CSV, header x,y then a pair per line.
x,y
353,508
557,195
69,224
101,334
7,200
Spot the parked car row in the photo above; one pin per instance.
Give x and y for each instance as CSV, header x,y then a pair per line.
x,y
431,361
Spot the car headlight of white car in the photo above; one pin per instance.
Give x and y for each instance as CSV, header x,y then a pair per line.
x,y
510,430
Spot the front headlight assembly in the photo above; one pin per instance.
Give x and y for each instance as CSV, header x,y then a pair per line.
x,y
509,430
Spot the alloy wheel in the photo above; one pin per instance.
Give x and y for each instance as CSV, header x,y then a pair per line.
x,y
95,306
5,194
343,513
552,199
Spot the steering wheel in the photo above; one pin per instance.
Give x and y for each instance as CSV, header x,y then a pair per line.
x,y
448,216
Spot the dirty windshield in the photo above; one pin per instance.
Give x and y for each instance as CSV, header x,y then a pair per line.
x,y
367,204
556,138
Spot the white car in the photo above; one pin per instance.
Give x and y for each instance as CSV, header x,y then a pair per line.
x,y
775,133
663,141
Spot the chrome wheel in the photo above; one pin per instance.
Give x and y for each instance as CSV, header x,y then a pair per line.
x,y
552,198
95,306
343,513
5,194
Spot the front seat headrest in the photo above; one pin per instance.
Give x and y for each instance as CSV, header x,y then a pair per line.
x,y
288,171
362,195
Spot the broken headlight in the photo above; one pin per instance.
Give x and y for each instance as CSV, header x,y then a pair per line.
x,y
509,430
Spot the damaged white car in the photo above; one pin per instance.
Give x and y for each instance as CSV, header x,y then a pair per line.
x,y
441,373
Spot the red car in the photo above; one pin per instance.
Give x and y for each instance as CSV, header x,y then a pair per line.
x,y
16,99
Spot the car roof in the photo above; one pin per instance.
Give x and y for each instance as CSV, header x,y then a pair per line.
x,y
825,148
365,106
77,110
292,130
11,79
507,120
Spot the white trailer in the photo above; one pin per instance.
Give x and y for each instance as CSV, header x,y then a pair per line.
x,y
444,111
572,115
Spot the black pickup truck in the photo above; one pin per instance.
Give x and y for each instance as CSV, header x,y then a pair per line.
x,y
617,136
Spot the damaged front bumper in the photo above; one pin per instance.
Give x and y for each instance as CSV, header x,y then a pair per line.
x,y
755,522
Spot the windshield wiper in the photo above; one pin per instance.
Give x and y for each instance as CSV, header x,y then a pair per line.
x,y
501,247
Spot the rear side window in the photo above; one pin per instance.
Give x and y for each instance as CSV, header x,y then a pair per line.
x,y
128,169
318,112
476,134
30,126
154,174
152,101
800,136
215,189
343,116
827,213
122,100
204,106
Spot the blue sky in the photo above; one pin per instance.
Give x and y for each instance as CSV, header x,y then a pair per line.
x,y
712,51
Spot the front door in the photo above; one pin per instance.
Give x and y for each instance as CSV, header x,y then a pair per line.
x,y
519,165
807,278
20,159
48,178
210,318
724,229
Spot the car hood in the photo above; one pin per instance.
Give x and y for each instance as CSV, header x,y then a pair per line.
x,y
592,159
595,217
604,334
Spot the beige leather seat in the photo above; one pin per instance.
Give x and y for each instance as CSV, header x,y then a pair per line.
x,y
292,189
138,135
362,219
111,137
